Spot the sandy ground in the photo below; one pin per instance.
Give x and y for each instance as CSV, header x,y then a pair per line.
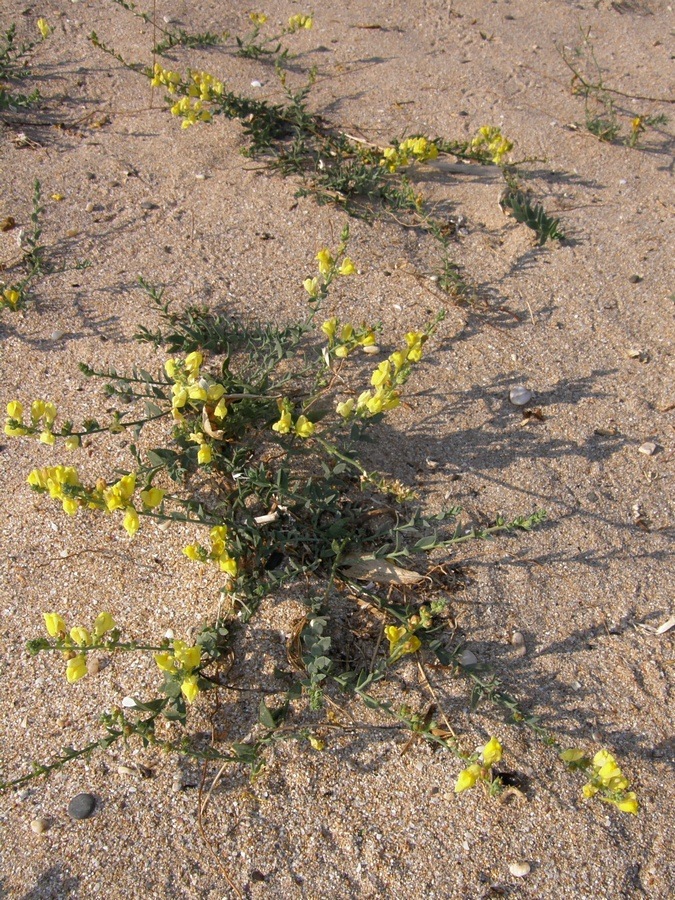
x,y
587,326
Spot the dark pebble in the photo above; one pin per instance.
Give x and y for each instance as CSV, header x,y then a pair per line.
x,y
148,204
82,806
635,279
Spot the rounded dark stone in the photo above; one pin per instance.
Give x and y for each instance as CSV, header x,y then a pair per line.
x,y
82,806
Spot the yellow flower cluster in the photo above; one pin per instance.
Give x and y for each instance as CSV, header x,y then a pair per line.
x,y
76,666
401,641
295,23
205,86
606,780
488,755
56,480
191,111
302,427
389,374
491,142
192,388
218,552
42,415
163,77
257,18
329,268
346,339
10,297
180,663
418,149
44,28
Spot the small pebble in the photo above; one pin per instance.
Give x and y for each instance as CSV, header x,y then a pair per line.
x,y
39,826
177,785
520,395
468,658
519,869
648,448
431,463
128,702
72,232
24,794
56,335
148,204
257,84
89,207
169,634
93,666
82,806
635,279
371,348
200,176
518,642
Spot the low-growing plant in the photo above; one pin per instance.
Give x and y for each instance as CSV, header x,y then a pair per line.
x,y
254,444
14,295
14,67
602,116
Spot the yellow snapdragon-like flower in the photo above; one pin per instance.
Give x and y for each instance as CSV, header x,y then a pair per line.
x,y
325,260
55,625
491,753
10,297
492,142
189,688
44,27
119,495
295,23
76,668
312,286
467,778
303,427
283,426
347,267
80,636
257,18
103,624
152,497
398,647
131,522
163,77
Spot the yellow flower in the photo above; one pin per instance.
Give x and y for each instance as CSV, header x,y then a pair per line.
x,y
193,362
166,662
325,260
346,408
104,622
329,328
80,636
227,564
572,755
257,18
194,552
47,438
119,494
73,442
37,410
381,374
589,790
70,506
316,743
312,286
152,497
15,410
43,27
283,426
303,427
347,267
467,778
491,752
188,657
395,634
298,21
76,668
131,522
190,688
11,297
628,803
55,625
205,455
57,197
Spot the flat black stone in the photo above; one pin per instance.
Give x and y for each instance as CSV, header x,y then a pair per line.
x,y
82,806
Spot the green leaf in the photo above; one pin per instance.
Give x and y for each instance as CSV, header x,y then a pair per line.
x,y
266,716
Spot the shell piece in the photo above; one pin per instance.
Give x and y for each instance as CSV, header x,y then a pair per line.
x,y
519,869
520,395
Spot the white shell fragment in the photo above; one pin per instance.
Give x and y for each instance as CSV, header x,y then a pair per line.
x,y
256,84
648,448
667,625
520,395
128,702
519,869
